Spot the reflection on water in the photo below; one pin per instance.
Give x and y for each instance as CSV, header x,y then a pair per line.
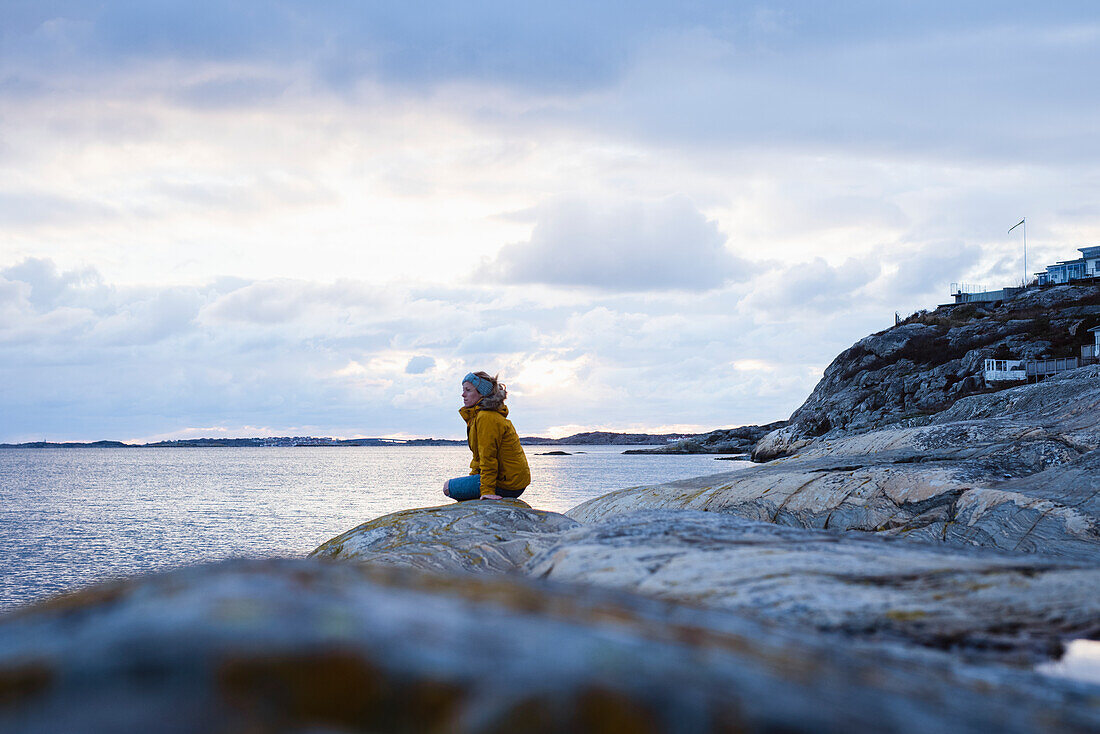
x,y
73,516
1081,661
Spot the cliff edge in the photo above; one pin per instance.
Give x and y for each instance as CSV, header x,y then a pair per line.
x,y
922,366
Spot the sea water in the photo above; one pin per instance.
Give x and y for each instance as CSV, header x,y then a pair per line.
x,y
70,517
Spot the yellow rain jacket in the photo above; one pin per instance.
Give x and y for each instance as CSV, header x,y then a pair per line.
x,y
498,456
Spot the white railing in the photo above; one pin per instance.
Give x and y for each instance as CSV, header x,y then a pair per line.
x,y
967,288
1042,367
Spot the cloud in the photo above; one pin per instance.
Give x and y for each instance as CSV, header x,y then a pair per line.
x,y
921,270
208,139
625,246
350,359
284,300
269,302
50,288
930,80
13,293
76,309
419,365
803,208
232,91
814,286
419,398
25,208
541,45
496,340
146,320
935,83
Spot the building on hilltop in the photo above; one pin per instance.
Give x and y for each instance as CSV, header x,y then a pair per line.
x,y
1065,271
997,372
1086,266
1092,350
1004,370
965,293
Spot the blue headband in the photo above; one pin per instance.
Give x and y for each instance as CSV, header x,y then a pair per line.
x,y
483,386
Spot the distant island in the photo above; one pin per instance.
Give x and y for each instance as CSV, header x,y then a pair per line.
x,y
599,438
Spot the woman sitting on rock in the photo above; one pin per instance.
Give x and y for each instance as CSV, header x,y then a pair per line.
x,y
499,467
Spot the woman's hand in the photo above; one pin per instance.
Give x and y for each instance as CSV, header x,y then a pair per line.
x,y
491,497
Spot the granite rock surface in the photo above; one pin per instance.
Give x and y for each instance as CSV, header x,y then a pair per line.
x,y
740,440
856,585
1012,605
479,536
1015,470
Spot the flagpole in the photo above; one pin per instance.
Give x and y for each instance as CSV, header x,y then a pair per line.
x,y
1014,226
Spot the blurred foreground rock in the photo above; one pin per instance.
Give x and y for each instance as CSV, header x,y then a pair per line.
x,y
304,645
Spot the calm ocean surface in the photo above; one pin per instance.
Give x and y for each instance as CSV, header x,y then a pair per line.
x,y
69,517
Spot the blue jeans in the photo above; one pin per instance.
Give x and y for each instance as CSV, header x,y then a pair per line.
x,y
469,488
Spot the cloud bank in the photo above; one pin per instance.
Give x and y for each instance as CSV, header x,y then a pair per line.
x,y
630,246
309,218
84,359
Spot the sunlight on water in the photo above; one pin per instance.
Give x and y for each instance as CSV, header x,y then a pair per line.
x,y
1081,661
73,516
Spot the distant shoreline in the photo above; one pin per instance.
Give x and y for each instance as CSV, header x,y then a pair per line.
x,y
590,438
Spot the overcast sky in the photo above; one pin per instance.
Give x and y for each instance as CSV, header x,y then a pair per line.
x,y
290,218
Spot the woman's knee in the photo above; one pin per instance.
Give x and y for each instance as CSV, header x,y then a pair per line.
x,y
447,488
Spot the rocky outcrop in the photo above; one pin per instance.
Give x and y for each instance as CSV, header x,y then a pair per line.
x,y
1017,605
739,440
859,586
1015,470
604,438
310,646
923,365
478,536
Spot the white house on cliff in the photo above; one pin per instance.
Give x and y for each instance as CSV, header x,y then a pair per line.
x,y
1086,266
1092,350
1017,370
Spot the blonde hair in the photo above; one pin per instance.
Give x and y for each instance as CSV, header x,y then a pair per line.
x,y
496,398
